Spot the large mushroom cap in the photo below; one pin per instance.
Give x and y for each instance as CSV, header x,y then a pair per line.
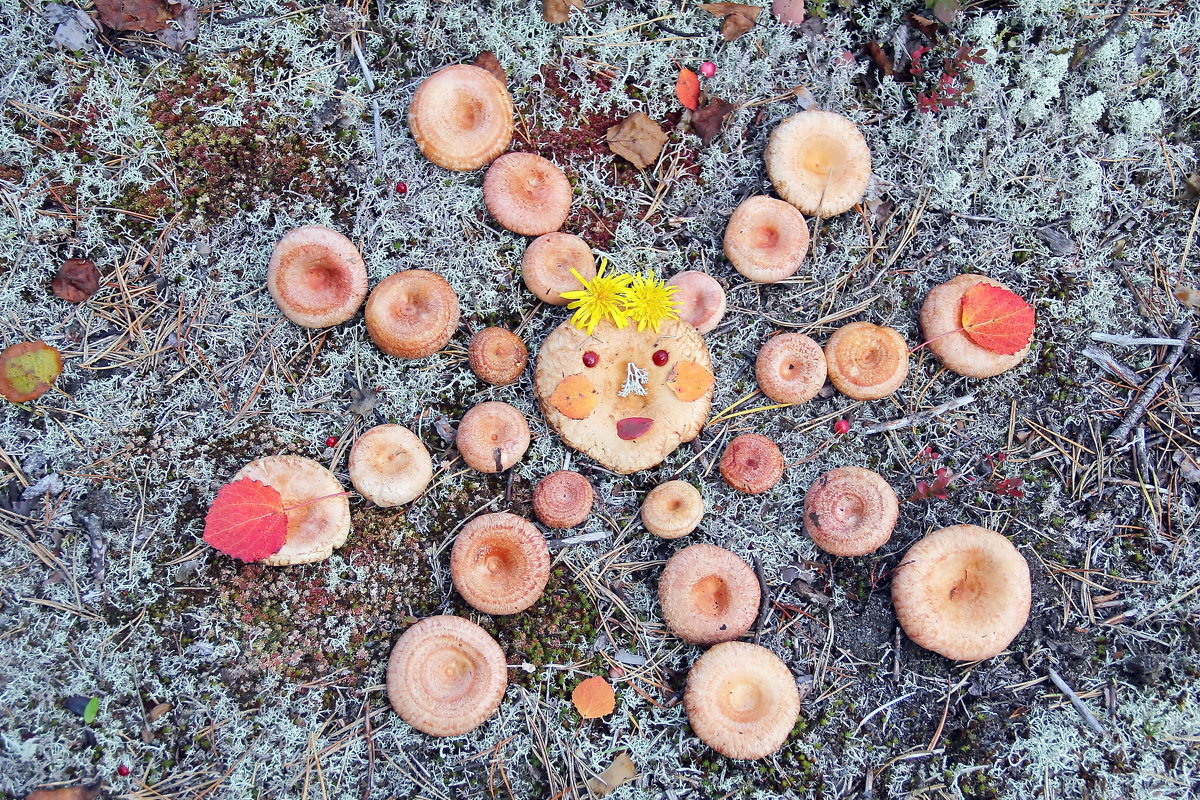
x,y
446,676
500,563
818,162
314,529
941,325
492,436
751,463
700,300
850,511
963,592
527,194
866,361
790,368
563,499
708,594
672,509
316,277
390,466
497,356
741,700
547,264
412,314
461,117
766,239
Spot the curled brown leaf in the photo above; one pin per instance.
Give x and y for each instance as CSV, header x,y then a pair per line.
x,y
77,280
637,139
737,18
709,120
556,12
487,60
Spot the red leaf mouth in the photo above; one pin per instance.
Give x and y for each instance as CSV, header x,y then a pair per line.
x,y
632,427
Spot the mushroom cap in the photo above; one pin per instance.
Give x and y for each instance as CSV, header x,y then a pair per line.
x,y
527,194
741,700
547,264
461,117
446,676
766,239
563,499
489,427
500,563
941,325
390,466
316,277
497,356
850,511
700,299
315,529
751,463
708,594
963,592
790,368
672,509
819,162
866,361
412,314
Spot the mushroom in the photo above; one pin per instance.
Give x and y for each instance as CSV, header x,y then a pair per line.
x,y
963,592
708,594
316,277
412,314
700,300
527,194
866,361
850,511
497,356
790,368
492,436
941,325
741,700
672,509
766,239
446,676
461,117
317,510
500,563
547,264
563,499
751,463
390,466
818,162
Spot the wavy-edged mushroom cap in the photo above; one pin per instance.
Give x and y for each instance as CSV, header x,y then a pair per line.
x,y
741,700
314,529
752,463
672,509
563,499
766,239
941,325
488,428
500,563
461,117
316,276
390,466
412,314
446,676
708,594
700,300
819,162
547,264
790,368
497,356
850,511
527,194
963,592
866,361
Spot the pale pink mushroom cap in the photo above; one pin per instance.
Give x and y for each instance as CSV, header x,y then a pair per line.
x,y
316,277
527,194
701,300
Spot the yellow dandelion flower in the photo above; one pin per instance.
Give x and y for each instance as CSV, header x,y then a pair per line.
x,y
649,301
603,297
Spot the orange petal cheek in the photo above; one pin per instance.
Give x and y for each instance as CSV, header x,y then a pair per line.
x,y
575,397
689,381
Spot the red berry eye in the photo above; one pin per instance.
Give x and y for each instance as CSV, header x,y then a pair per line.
x,y
590,359
660,358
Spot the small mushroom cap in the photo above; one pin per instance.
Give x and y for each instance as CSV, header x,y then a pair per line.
x,y
461,117
741,700
489,427
819,162
708,594
701,300
412,314
563,499
527,194
963,592
314,529
500,563
446,676
672,509
941,325
766,239
866,361
850,511
751,463
790,368
547,264
390,466
316,277
497,356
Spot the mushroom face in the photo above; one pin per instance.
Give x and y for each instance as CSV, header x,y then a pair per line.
x,y
941,325
497,356
412,314
766,239
547,264
866,361
316,277
314,529
672,509
563,499
963,592
461,117
850,511
708,594
390,466
500,563
790,368
752,463
700,300
527,194
492,436
819,162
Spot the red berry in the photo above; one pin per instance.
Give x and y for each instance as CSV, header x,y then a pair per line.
x,y
402,188
660,358
331,441
841,427
123,771
590,359
708,69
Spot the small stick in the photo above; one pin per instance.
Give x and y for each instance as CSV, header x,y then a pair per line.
x,y
1112,365
1076,701
1135,413
370,750
378,134
362,63
923,416
764,603
1135,341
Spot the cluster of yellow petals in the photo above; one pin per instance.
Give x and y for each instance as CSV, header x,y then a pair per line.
x,y
621,297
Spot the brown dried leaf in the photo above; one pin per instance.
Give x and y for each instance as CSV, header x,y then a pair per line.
x,y
638,139
620,772
710,118
77,280
928,27
880,58
65,793
738,18
556,12
146,16
487,60
158,711
1187,295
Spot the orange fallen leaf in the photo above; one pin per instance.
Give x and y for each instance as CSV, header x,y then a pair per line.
x,y
575,397
689,381
687,88
594,698
996,319
28,370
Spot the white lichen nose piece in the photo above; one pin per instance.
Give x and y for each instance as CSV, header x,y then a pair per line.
x,y
390,466
819,162
635,381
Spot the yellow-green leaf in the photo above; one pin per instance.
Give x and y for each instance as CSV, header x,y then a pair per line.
x,y
28,370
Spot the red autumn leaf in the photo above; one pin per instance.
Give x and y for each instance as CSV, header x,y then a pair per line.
x,y
246,520
687,88
996,319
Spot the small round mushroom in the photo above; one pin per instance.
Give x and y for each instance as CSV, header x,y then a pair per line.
x,y
752,463
850,511
563,499
672,509
500,563
547,264
819,162
866,361
390,466
963,592
446,676
741,700
314,529
412,314
941,325
461,117
492,436
790,368
527,194
766,239
700,300
708,594
316,277
497,356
